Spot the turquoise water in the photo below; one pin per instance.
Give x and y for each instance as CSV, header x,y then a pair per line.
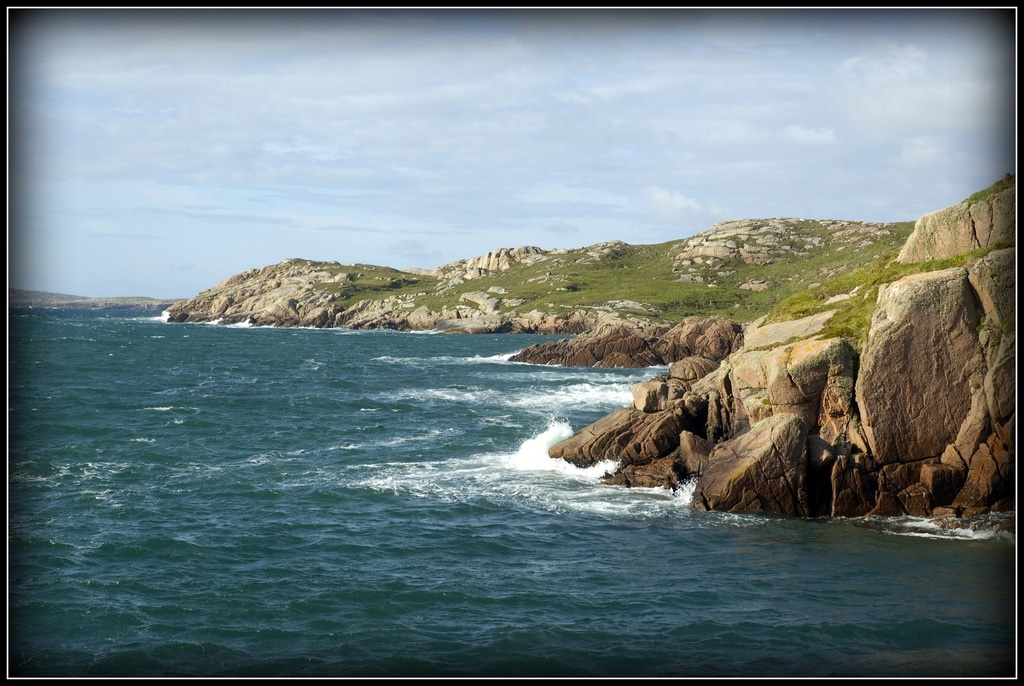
x,y
196,500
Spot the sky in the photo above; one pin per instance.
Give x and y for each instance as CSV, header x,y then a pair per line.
x,y
158,152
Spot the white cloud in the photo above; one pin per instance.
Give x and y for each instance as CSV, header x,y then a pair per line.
x,y
320,152
921,151
669,202
887,65
378,127
562,194
802,134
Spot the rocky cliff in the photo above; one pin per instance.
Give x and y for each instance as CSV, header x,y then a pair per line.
x,y
917,419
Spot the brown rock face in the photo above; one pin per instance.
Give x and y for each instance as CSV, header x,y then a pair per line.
x,y
764,470
923,424
607,345
627,345
714,338
963,227
627,435
813,379
920,363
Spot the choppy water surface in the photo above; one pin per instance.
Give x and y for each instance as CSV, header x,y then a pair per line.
x,y
224,501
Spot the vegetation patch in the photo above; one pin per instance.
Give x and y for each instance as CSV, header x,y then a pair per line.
x,y
853,317
1008,181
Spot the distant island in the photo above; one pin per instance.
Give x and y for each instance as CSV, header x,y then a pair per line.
x,y
41,299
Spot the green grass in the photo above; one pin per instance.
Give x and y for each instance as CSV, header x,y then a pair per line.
x,y
368,281
1008,181
853,317
646,274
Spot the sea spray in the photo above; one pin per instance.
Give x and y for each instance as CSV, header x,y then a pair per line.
x,y
533,455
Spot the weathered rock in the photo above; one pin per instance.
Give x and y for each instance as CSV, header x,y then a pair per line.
x,y
607,345
764,470
963,227
626,435
693,454
920,363
714,338
486,303
663,472
812,378
620,344
691,369
471,325
942,481
657,395
760,335
989,477
993,278
853,493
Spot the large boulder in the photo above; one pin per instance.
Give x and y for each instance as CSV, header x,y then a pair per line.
x,y
714,338
919,366
622,344
606,345
763,470
963,227
627,435
812,378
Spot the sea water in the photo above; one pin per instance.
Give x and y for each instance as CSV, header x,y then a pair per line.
x,y
199,500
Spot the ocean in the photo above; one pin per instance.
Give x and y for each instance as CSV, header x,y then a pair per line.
x,y
199,500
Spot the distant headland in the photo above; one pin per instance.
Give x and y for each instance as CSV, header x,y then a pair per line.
x,y
40,299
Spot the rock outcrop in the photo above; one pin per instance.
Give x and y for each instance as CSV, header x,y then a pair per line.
x,y
961,228
303,293
919,421
762,470
627,345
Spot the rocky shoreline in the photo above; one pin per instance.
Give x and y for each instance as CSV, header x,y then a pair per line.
x,y
918,419
920,422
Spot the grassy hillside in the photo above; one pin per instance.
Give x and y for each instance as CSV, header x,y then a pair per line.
x,y
640,280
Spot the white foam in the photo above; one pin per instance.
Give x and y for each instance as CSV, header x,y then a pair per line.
x,y
983,529
444,359
532,455
469,396
527,477
686,489
591,395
